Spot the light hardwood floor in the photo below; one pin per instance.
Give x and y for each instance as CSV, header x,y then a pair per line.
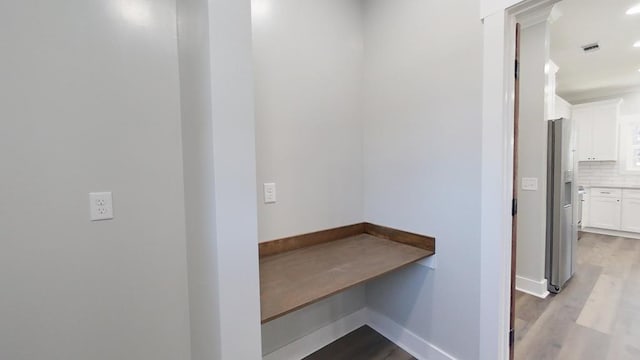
x,y
597,315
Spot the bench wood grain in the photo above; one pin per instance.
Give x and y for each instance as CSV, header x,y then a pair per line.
x,y
290,280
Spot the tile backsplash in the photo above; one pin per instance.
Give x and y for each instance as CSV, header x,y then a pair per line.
x,y
604,174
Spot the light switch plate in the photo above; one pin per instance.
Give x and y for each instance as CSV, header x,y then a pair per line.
x,y
530,184
269,193
101,206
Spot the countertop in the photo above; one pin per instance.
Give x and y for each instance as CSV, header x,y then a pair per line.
x,y
612,187
293,279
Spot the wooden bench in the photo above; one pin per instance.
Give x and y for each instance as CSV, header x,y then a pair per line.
x,y
300,270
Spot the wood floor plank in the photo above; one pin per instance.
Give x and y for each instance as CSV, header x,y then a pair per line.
x,y
545,333
601,251
361,344
619,261
625,339
587,240
599,313
630,244
583,343
521,327
596,316
625,343
580,286
545,337
530,307
631,291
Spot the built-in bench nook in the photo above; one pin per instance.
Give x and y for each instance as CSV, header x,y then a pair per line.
x,y
300,270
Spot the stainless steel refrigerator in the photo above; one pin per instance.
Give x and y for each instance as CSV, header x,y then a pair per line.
x,y
562,232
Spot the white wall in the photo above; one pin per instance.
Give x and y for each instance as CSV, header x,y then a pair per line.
x,y
492,7
298,324
532,160
220,174
630,101
308,76
605,173
562,108
198,167
89,101
423,93
308,72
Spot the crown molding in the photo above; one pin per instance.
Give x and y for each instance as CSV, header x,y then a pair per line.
x,y
529,15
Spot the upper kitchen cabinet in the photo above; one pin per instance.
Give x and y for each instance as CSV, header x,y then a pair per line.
x,y
597,130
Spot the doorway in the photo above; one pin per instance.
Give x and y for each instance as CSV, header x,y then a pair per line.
x,y
594,313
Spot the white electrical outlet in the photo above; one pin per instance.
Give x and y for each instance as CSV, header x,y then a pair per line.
x,y
269,193
101,206
530,184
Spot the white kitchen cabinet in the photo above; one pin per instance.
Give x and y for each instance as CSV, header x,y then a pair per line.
x,y
597,130
612,209
586,209
582,120
605,208
630,211
631,215
604,213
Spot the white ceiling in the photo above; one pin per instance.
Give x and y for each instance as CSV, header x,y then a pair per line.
x,y
610,71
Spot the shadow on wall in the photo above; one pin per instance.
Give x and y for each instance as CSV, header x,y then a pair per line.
x,y
410,290
298,324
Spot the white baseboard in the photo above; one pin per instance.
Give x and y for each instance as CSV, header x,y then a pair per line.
x,y
532,287
625,234
407,340
319,338
410,342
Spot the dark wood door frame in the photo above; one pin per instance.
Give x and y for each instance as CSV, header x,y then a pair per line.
x,y
514,212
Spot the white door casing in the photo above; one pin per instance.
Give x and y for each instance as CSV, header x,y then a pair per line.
x,y
499,18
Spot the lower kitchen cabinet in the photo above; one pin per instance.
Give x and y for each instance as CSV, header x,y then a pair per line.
x,y
586,209
605,213
630,211
612,209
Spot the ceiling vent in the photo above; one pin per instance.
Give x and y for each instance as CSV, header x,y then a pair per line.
x,y
591,47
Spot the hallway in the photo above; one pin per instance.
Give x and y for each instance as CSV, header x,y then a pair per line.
x,y
596,317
